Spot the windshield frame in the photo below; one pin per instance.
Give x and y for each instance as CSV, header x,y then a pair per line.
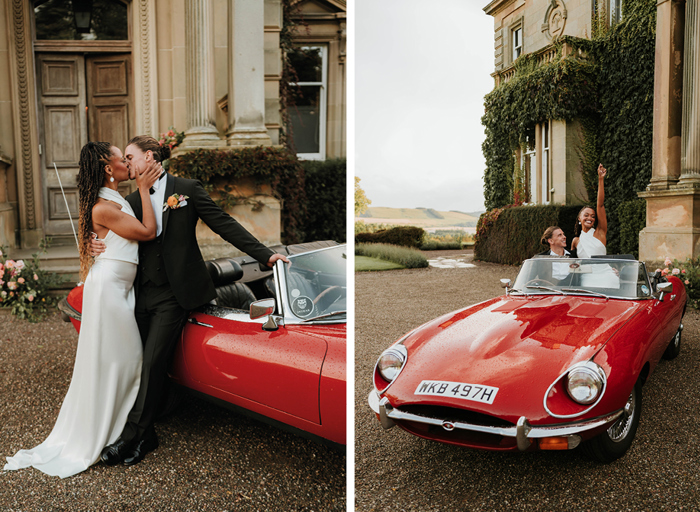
x,y
284,306
585,291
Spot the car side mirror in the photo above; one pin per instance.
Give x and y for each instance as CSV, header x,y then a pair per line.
x,y
261,308
664,288
505,283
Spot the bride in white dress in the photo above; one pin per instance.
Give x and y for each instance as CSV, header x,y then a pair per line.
x,y
107,367
593,238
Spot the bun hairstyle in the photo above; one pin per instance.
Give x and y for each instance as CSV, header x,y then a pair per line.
x,y
548,233
577,223
147,143
93,159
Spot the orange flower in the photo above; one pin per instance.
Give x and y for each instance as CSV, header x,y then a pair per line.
x,y
172,201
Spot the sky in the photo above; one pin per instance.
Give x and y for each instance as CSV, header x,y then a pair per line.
x,y
422,70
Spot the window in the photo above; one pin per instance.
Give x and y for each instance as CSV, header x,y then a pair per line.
x,y
517,42
81,20
615,11
546,197
308,113
528,163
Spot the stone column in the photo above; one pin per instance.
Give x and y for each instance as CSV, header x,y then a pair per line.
x,y
668,93
690,150
7,212
199,61
246,82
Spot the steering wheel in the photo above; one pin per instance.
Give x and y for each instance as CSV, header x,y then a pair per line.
x,y
327,297
539,282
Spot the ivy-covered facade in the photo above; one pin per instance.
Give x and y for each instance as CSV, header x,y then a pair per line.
x,y
574,87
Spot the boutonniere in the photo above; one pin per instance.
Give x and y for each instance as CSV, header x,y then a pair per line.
x,y
175,201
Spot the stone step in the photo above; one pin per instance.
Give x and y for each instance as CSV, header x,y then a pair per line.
x,y
61,259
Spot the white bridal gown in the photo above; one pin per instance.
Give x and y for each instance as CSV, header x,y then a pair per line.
x,y
107,368
602,276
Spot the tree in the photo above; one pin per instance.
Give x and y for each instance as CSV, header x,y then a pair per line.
x,y
361,201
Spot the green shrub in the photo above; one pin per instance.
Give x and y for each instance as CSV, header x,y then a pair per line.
x,y
406,236
511,235
632,217
219,171
409,258
326,200
440,245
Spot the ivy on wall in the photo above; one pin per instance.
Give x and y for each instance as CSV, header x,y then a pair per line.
x,y
610,91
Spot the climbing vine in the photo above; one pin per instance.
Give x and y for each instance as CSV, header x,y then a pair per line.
x,y
607,83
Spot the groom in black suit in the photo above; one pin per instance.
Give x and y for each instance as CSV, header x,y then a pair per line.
x,y
172,280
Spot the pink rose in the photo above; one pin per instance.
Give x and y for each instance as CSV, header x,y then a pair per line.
x,y
36,277
675,271
20,280
10,264
683,271
12,285
667,261
664,272
687,282
30,298
19,264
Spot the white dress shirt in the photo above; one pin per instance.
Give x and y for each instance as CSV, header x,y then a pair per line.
x,y
157,200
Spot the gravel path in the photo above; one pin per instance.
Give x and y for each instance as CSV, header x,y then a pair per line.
x,y
397,471
209,458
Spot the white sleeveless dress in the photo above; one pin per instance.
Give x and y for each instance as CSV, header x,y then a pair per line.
x,y
107,369
602,276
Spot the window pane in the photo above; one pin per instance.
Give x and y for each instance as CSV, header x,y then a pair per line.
x,y
86,20
306,119
308,64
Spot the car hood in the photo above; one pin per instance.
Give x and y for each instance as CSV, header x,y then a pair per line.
x,y
519,345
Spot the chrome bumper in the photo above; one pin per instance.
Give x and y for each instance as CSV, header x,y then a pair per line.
x,y
523,431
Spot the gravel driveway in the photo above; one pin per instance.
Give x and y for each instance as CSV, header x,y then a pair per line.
x,y
397,471
208,459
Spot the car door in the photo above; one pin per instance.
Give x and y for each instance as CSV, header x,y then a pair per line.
x,y
278,369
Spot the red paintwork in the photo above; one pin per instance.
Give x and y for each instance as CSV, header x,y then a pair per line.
x,y
521,345
295,375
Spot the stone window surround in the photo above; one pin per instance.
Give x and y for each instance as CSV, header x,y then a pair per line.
x,y
517,24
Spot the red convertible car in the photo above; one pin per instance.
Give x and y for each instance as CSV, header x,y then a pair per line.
x,y
273,346
558,361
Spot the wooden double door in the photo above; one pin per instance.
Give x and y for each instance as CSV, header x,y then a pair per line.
x,y
82,97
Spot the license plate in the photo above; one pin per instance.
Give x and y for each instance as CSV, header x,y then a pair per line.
x,y
473,392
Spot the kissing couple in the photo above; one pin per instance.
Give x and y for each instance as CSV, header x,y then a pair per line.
x,y
147,275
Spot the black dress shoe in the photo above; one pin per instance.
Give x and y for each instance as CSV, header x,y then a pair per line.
x,y
116,452
139,451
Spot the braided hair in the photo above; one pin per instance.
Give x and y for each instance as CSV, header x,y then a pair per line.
x,y
93,159
146,143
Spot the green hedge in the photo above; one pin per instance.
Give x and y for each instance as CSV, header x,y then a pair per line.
x,y
406,236
632,216
219,170
326,195
511,235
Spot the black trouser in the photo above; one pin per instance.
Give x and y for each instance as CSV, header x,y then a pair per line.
x,y
160,320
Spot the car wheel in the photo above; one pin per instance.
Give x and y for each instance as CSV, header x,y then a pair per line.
x,y
616,440
674,347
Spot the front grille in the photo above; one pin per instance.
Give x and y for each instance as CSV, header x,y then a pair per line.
x,y
455,414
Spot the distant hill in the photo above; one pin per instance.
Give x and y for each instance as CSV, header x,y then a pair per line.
x,y
423,217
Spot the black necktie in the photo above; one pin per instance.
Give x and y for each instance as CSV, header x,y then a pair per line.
x,y
152,190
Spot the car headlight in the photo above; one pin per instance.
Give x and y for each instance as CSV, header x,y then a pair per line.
x,y
391,362
584,383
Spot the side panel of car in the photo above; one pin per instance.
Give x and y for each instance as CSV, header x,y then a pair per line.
x,y
278,369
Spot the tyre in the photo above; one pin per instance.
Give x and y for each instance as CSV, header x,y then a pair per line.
x,y
614,442
674,347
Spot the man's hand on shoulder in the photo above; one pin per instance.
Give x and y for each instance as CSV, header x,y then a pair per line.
x,y
275,257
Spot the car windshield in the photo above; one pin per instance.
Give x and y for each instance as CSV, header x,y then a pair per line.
x,y
316,284
595,277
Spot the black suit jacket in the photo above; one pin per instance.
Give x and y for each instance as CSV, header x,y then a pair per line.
x,y
184,265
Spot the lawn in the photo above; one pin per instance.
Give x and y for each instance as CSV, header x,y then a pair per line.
x,y
364,263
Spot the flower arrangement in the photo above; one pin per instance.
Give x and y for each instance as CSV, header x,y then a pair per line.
x,y
171,138
24,286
